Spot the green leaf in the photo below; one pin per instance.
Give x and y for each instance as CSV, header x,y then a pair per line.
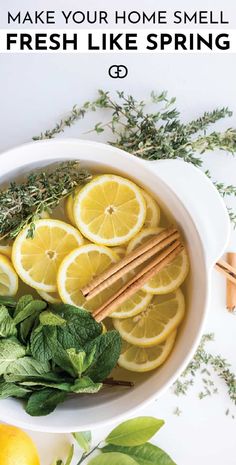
x,y
9,302
106,349
28,366
43,343
145,454
61,358
32,380
77,360
85,386
27,326
44,402
70,455
26,307
10,350
7,325
113,458
80,323
12,390
134,432
51,319
84,439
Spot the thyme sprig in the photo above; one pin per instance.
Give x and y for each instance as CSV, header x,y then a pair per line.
x,y
203,363
153,130
23,203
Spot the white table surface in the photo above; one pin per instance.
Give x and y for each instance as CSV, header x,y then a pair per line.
x,y
36,90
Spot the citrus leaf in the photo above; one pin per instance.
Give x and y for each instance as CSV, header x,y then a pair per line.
x,y
83,439
134,432
112,458
145,454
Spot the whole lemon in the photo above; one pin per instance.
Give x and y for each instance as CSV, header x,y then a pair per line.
x,y
16,447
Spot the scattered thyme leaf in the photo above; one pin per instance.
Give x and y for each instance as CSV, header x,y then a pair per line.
x,y
202,363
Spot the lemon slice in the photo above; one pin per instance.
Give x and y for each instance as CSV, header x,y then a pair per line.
x,y
50,297
69,208
6,250
140,359
172,276
134,305
155,323
8,277
79,268
153,211
109,210
37,259
143,236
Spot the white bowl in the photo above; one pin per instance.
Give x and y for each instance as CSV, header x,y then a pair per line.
x,y
200,213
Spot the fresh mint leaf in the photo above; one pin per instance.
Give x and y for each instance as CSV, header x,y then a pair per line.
x,y
7,325
77,360
28,366
80,323
134,432
44,402
108,347
26,307
80,361
27,326
112,458
61,358
83,439
85,386
48,318
145,454
43,342
12,390
49,377
9,302
10,350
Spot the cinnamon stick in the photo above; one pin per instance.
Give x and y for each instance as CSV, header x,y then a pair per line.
x,y
131,261
137,282
230,286
227,270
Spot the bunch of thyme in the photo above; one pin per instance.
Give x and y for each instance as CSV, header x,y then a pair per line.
x,y
23,203
153,130
204,362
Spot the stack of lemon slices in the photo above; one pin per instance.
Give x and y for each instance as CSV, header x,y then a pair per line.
x,y
108,218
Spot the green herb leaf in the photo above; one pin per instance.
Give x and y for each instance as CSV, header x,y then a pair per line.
x,y
112,458
84,439
44,402
28,366
80,361
77,360
27,326
81,325
12,390
43,342
145,454
10,350
85,386
7,325
26,307
134,432
9,302
108,347
51,319
70,455
43,379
